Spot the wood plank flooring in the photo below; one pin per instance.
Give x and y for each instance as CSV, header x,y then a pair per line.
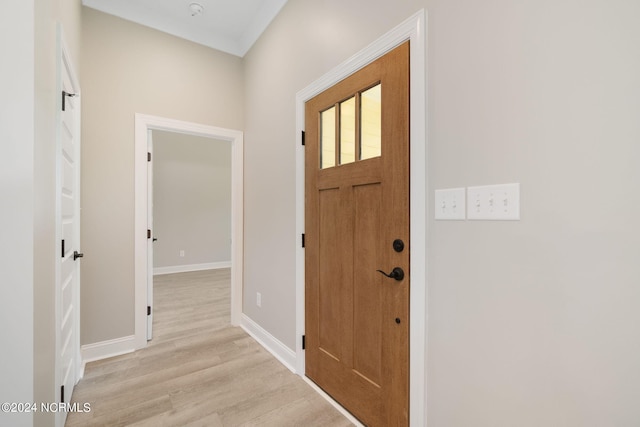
x,y
198,370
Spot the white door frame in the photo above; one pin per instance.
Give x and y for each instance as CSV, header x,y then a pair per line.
x,y
143,124
64,64
413,29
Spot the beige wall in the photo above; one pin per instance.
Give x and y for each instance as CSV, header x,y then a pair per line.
x,y
536,322
532,322
191,200
128,69
306,40
16,214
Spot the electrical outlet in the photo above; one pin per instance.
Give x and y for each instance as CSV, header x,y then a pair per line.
x,y
494,202
258,299
450,204
182,253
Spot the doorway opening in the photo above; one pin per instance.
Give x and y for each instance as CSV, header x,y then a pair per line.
x,y
189,203
144,125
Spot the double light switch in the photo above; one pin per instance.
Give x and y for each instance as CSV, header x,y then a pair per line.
x,y
450,204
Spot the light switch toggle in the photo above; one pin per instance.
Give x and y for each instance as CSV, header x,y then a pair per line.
x,y
450,204
495,202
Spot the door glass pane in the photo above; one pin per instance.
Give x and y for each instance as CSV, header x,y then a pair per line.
x,y
348,131
328,138
371,123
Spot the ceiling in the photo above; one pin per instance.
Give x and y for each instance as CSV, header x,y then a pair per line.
x,y
231,26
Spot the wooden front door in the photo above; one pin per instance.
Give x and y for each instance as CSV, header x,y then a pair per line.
x,y
357,222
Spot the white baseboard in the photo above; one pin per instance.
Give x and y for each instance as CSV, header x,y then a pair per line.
x,y
191,267
105,349
288,358
284,354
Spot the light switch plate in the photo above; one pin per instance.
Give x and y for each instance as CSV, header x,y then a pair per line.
x,y
494,202
450,204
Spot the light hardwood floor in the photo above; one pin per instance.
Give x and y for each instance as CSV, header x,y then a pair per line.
x,y
198,370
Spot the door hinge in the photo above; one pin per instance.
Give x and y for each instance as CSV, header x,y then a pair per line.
x,y
61,394
303,138
304,342
62,248
148,157
148,233
303,240
64,98
148,310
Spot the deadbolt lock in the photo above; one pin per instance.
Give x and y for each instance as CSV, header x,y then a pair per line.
x,y
398,245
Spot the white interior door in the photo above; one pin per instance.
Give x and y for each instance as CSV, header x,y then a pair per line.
x,y
68,230
150,238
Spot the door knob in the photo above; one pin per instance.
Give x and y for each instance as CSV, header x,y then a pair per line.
x,y
154,239
77,255
397,273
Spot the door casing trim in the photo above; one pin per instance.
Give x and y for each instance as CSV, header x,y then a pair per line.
x,y
144,123
413,29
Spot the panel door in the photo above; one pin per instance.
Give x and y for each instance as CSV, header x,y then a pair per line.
x,y
68,222
357,233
